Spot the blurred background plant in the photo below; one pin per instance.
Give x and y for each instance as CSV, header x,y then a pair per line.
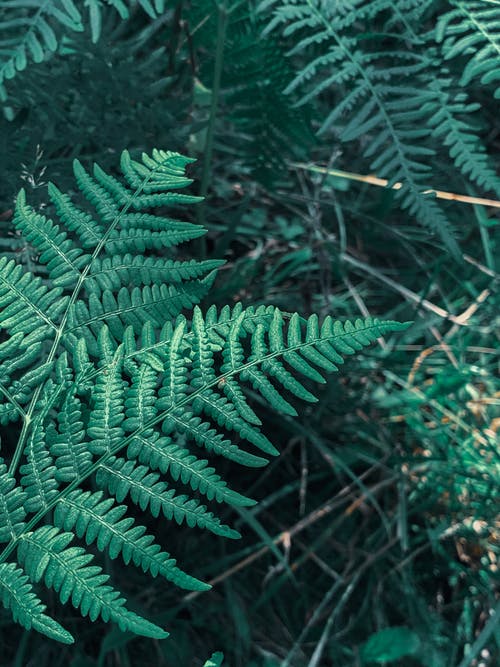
x,y
376,538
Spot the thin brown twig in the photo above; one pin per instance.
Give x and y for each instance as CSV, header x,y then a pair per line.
x,y
444,346
481,267
383,182
469,348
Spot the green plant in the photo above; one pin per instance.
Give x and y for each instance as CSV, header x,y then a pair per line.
x,y
376,528
454,471
399,98
112,386
215,660
470,30
36,30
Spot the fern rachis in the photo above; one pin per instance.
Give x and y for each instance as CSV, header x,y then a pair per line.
x,y
104,373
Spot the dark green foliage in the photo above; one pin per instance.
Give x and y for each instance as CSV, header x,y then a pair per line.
x,y
470,31
122,349
33,31
271,128
142,401
388,96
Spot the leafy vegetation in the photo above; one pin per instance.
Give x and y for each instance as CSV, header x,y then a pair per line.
x,y
346,157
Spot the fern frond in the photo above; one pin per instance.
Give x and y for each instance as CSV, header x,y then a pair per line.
x,y
472,31
100,197
269,127
380,101
135,306
125,287
135,238
33,31
122,478
116,388
89,231
64,261
117,271
325,346
28,306
164,170
161,453
36,36
204,435
449,122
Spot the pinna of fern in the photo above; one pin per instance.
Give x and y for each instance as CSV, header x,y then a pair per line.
x,y
112,384
471,30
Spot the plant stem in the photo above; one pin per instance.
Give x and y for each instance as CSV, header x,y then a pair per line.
x,y
207,158
21,650
482,638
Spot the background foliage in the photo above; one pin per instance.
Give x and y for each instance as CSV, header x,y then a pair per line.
x,y
376,536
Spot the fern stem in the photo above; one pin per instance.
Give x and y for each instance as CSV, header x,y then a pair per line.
x,y
207,158
23,435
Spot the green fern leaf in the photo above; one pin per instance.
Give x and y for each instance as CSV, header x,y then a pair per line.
x,y
17,595
88,230
117,271
12,512
160,453
123,478
101,521
64,261
27,305
472,30
45,554
379,100
36,29
36,37
450,122
202,433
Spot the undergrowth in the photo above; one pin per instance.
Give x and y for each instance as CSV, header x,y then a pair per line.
x,y
347,156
